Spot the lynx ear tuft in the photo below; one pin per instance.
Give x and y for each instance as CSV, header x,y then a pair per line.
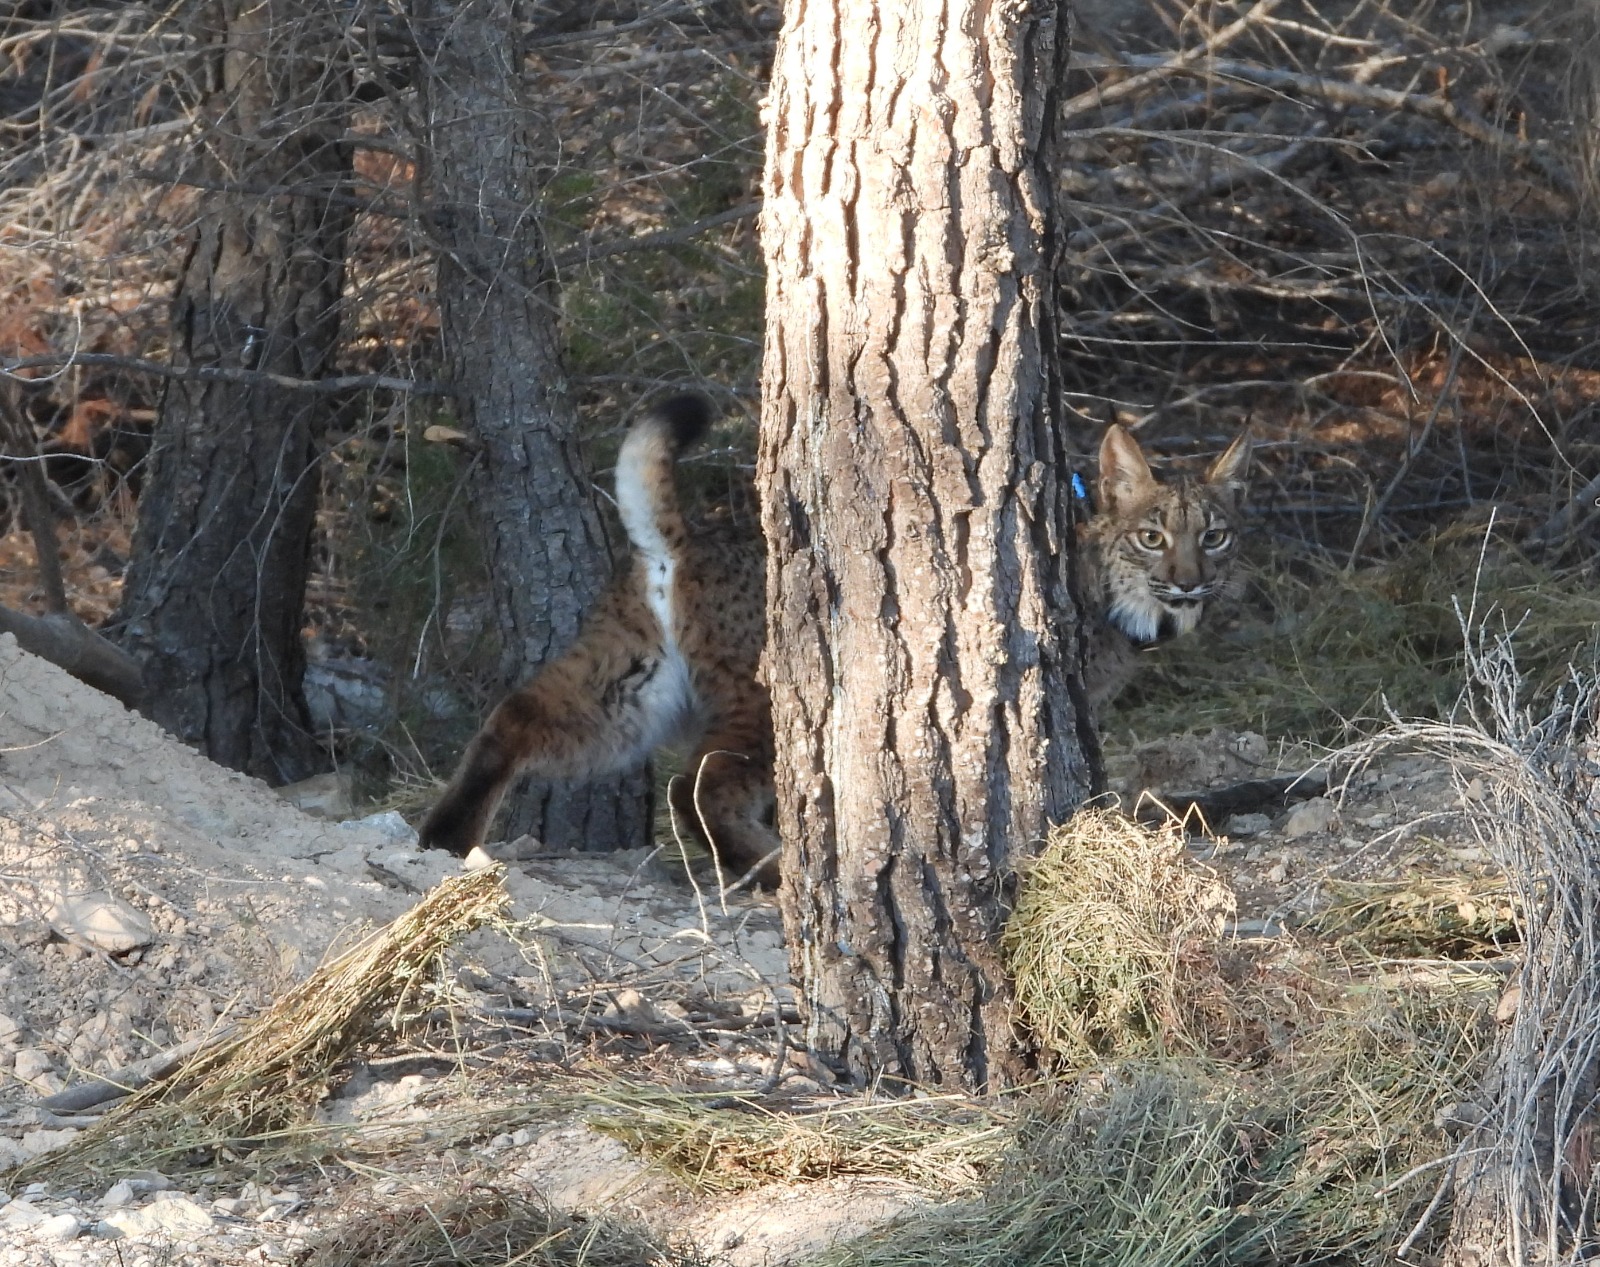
x,y
1125,478
1232,469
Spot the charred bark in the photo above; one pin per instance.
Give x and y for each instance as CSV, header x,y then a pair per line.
x,y
214,593
547,549
924,658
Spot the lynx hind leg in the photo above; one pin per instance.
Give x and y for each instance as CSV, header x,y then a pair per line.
x,y
597,710
460,819
725,794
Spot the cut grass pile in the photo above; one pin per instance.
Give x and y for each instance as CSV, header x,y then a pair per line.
x,y
1319,1145
266,1078
1420,917
484,1227
1318,649
1111,947
726,1144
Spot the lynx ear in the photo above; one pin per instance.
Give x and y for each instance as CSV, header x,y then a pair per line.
x,y
1232,469
1125,478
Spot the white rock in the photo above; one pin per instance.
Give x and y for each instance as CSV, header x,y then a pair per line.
x,y
171,1213
38,1143
99,921
21,1213
1310,817
10,1032
59,1227
1242,825
30,1063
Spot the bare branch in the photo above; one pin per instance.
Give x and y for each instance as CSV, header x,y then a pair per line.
x,y
226,374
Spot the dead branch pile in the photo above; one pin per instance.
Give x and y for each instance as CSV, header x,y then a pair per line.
x,y
1523,1180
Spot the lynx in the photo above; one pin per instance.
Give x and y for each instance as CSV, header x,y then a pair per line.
x,y
673,647
670,651
1154,555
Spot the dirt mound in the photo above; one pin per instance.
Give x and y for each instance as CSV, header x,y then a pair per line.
x,y
145,892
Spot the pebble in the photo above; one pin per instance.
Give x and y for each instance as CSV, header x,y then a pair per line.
x,y
1242,825
171,1213
1310,817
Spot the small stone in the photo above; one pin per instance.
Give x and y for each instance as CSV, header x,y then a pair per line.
x,y
117,1195
521,1138
10,1032
59,1228
38,1143
99,921
1245,825
31,1062
171,1213
1279,872
1310,817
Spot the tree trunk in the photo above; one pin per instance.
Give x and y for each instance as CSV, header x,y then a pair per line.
x,y
547,549
924,661
214,593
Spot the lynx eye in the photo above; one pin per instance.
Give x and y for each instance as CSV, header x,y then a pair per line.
x,y
1214,538
1150,538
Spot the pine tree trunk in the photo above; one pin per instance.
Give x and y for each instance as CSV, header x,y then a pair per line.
x,y
547,548
214,594
924,657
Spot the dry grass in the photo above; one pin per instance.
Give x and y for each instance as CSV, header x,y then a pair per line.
x,y
1109,945
1329,1160
483,1227
268,1076
1319,651
946,1144
1421,917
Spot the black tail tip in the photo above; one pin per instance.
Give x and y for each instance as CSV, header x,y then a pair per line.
x,y
687,416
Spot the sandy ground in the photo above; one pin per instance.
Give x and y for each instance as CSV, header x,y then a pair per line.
x,y
147,895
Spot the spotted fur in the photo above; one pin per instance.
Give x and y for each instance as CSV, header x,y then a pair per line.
x,y
673,646
669,652
1156,555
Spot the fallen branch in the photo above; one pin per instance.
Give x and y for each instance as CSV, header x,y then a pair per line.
x,y
226,374
71,645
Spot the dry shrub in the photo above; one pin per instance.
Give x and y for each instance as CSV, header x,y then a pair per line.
x,y
487,1228
1112,942
1421,917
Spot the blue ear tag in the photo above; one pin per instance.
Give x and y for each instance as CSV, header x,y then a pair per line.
x,y
1080,490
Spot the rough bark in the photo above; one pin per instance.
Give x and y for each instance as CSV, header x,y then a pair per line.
x,y
215,588
924,658
547,548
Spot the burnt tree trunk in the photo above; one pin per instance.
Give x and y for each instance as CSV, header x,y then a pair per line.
x,y
214,592
546,544
924,658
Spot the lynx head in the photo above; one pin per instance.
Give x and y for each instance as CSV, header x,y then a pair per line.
x,y
1164,549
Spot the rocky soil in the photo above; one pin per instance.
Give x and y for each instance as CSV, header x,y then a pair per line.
x,y
147,896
